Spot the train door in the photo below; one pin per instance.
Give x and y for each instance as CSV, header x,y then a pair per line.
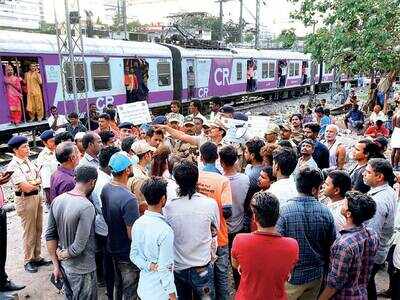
x,y
251,75
136,71
304,72
282,72
191,78
25,88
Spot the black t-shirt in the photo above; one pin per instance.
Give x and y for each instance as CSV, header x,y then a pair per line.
x,y
321,155
357,180
120,209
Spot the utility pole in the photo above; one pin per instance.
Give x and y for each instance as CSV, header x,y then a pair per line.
x,y
241,22
71,57
124,19
312,78
221,21
257,38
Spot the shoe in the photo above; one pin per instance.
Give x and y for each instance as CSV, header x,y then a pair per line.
x,y
385,294
31,267
11,287
42,262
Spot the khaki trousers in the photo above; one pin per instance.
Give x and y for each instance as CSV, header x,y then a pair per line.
x,y
307,291
35,107
30,210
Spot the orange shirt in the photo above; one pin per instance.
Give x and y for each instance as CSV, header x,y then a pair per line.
x,y
218,187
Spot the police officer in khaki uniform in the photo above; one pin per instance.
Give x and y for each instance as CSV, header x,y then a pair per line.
x,y
46,162
28,202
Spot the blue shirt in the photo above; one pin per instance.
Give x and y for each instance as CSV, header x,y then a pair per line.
x,y
120,209
153,242
325,121
355,115
311,224
210,167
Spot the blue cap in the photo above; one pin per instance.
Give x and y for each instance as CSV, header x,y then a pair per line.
x,y
127,125
240,116
145,127
46,135
17,141
160,120
227,109
119,162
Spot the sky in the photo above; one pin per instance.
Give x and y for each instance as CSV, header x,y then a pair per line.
x,y
274,14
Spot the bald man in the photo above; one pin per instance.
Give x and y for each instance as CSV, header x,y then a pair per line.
x,y
337,151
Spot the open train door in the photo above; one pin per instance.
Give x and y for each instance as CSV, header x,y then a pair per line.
x,y
191,78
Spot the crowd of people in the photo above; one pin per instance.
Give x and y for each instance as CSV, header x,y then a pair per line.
x,y
175,209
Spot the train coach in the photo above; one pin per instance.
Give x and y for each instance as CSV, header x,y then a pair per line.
x,y
166,72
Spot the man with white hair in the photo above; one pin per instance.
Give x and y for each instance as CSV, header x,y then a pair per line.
x,y
337,151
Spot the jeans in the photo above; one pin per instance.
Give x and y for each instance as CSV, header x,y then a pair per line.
x,y
371,283
395,282
83,286
3,246
196,280
236,275
221,267
126,276
103,263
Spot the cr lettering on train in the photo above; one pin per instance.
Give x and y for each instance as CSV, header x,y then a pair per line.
x,y
221,76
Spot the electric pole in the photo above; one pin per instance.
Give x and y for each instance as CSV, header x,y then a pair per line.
x,y
241,22
221,21
124,19
257,38
71,57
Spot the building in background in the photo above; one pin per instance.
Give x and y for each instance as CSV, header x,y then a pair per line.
x,y
26,14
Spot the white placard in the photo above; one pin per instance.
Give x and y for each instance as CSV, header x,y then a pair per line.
x,y
257,125
52,73
136,113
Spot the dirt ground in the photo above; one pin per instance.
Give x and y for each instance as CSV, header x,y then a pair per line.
x,y
38,285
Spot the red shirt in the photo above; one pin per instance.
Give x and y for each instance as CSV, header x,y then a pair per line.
x,y
265,261
374,131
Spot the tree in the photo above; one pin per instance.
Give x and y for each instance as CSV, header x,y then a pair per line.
x,y
287,38
355,36
47,28
205,21
134,26
248,38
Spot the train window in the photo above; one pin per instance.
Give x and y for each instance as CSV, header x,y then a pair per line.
x,y
291,69
79,75
264,70
239,71
271,70
297,69
164,73
101,76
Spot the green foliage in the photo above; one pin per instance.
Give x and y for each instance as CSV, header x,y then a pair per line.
x,y
355,36
287,38
134,26
248,38
46,28
205,21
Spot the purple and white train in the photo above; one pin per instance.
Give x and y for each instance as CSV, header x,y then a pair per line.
x,y
216,72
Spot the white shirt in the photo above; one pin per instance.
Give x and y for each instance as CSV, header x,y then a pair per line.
x,y
336,210
191,221
103,178
61,120
47,165
284,189
199,116
377,116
